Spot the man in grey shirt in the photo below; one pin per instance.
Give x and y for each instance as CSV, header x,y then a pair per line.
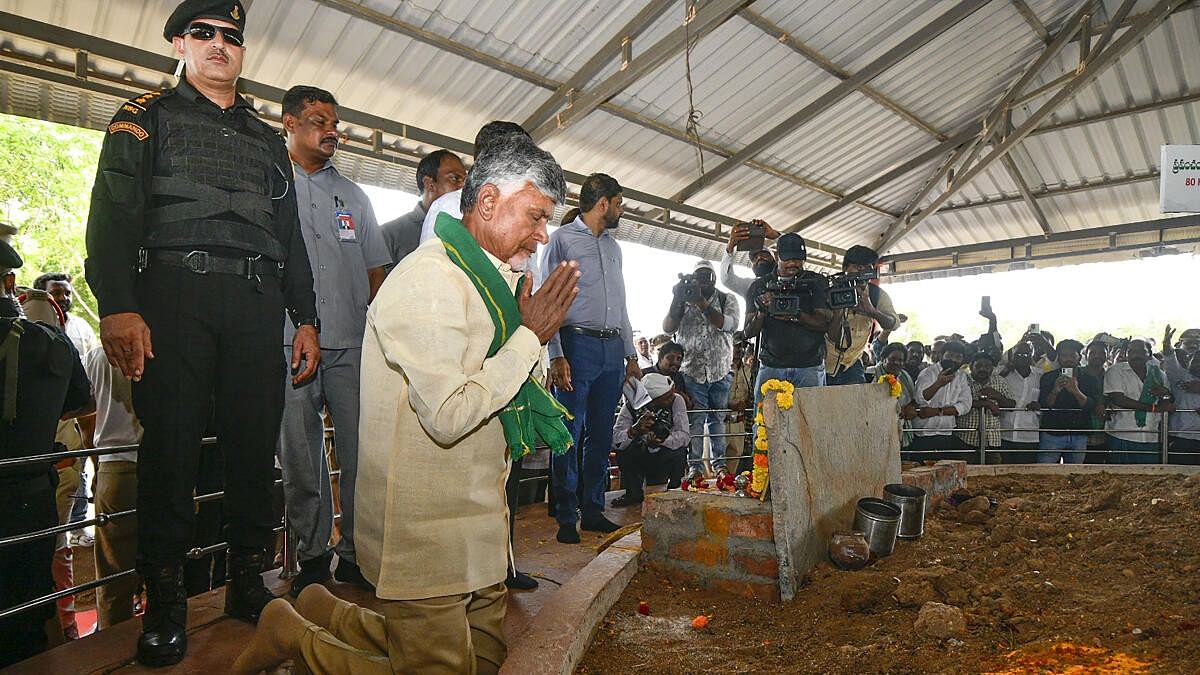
x,y
438,173
592,355
348,258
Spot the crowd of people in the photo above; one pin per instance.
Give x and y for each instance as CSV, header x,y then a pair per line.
x,y
245,290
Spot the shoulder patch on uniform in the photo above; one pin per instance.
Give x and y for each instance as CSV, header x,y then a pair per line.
x,y
129,128
137,105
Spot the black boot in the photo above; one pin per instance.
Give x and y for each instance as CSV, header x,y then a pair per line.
x,y
164,625
312,571
245,594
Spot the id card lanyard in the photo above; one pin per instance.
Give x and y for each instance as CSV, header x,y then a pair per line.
x,y
343,220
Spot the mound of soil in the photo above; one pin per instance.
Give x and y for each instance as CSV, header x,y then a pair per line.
x,y
1079,573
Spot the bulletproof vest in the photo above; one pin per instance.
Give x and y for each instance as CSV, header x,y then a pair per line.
x,y
213,184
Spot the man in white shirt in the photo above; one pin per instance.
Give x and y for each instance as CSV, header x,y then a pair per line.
x,y
116,487
1140,393
1024,381
943,393
761,261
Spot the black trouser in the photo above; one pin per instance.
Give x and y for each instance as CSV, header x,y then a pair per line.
x,y
216,341
26,506
922,448
1184,450
636,462
1016,452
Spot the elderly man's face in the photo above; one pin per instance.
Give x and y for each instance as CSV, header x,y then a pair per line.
x,y
210,61
515,223
643,346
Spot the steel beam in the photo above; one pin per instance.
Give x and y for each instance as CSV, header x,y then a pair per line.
x,y
923,36
1015,174
707,18
611,49
816,58
1031,18
990,123
1097,65
395,25
1114,22
1117,114
1055,192
1110,231
882,179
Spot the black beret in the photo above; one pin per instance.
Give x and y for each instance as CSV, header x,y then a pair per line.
x,y
791,247
190,10
8,257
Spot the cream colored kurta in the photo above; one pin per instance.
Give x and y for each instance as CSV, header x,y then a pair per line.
x,y
430,516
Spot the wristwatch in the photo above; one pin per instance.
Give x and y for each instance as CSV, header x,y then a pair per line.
x,y
314,322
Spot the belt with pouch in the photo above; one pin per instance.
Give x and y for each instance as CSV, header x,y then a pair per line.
x,y
203,262
602,334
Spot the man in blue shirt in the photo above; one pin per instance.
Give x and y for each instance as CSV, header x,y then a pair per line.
x,y
592,355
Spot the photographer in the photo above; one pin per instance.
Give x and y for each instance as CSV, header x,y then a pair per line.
x,y
761,261
703,319
655,442
1069,394
791,311
1183,370
843,363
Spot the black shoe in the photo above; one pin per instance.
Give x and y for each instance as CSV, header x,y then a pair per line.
x,y
599,524
312,571
628,500
163,641
245,594
349,573
521,582
567,534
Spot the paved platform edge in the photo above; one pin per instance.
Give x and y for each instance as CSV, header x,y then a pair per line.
x,y
1067,469
562,630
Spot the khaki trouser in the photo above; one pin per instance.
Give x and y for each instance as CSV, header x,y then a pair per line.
x,y
450,634
63,566
116,541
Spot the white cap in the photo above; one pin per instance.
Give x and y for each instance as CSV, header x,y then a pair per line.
x,y
657,384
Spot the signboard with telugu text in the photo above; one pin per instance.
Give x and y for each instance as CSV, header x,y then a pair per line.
x,y
1179,179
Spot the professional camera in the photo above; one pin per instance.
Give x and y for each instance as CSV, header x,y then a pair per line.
x,y
688,289
843,288
664,421
792,296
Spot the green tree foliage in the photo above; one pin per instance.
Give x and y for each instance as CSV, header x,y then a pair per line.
x,y
45,186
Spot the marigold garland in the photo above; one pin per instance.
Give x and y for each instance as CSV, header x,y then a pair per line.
x,y
785,399
893,384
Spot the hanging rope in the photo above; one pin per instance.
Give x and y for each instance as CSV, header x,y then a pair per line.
x,y
692,127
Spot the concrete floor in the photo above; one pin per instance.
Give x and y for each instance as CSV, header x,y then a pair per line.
x,y
215,640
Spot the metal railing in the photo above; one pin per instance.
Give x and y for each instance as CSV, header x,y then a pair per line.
x,y
290,564
100,520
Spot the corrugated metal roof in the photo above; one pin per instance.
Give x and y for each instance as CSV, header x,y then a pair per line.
x,y
745,82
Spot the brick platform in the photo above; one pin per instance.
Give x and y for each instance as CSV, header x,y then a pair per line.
x,y
939,481
713,541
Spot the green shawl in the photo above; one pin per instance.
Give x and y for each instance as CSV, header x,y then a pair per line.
x,y
1154,379
533,413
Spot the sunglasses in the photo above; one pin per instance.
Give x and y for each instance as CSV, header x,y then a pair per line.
x,y
206,31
